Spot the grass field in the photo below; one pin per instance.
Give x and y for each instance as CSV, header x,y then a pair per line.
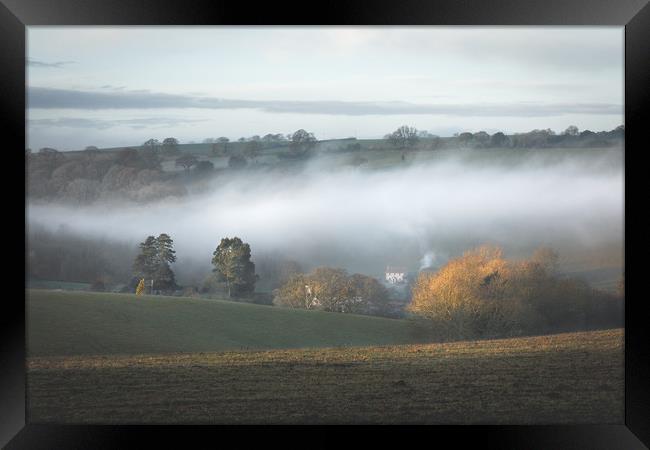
x,y
63,285
86,323
567,378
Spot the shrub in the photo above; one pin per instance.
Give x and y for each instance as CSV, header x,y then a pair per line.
x,y
331,289
470,295
480,294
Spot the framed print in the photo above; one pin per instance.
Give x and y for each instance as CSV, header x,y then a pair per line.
x,y
243,220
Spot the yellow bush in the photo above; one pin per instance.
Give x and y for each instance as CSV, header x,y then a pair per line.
x,y
471,295
482,294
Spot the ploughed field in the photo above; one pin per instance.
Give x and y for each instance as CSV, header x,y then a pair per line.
x,y
118,358
564,378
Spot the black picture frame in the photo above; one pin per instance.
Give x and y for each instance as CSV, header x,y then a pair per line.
x,y
16,14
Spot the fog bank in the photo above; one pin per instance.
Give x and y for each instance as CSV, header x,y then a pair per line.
x,y
415,216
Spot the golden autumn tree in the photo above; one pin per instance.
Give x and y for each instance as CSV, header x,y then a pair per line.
x,y
295,293
481,294
140,288
470,295
332,289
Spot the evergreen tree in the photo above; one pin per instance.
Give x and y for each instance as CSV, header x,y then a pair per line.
x,y
164,279
145,263
233,265
153,262
165,249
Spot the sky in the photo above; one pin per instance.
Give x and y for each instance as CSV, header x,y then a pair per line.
x,y
120,86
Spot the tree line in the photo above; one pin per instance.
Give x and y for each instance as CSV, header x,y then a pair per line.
x,y
325,288
299,142
478,294
407,137
91,175
231,260
136,174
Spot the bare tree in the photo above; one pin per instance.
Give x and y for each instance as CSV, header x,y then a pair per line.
x,y
220,147
152,145
186,161
403,137
170,145
302,141
571,131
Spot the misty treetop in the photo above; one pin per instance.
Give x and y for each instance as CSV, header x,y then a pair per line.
x,y
165,249
403,137
152,144
301,142
170,145
540,138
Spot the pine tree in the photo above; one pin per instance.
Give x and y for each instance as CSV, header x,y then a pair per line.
x,y
165,249
164,278
146,262
153,262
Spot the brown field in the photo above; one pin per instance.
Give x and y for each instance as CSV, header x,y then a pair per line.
x,y
565,378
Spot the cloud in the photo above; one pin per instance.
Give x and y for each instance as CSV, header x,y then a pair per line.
x,y
49,98
581,49
56,64
102,124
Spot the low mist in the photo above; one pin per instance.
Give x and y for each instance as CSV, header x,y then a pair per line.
x,y
416,216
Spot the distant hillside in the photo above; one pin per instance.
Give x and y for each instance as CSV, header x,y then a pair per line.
x,y
145,174
84,323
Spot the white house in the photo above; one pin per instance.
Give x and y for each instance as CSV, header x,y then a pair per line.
x,y
395,275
